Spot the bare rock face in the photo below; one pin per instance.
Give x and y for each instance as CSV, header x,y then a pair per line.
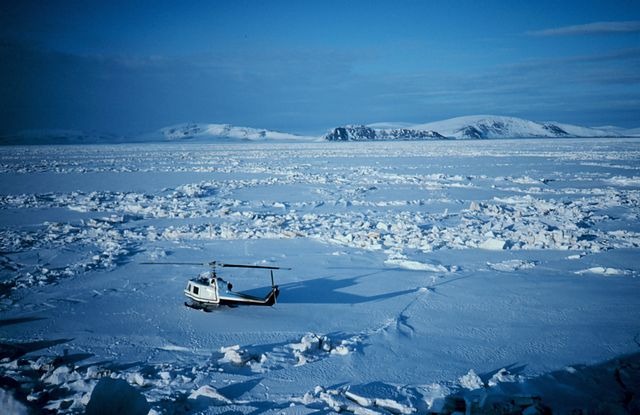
x,y
364,133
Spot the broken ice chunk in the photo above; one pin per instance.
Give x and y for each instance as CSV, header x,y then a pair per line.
x,y
471,381
501,376
210,392
602,271
493,244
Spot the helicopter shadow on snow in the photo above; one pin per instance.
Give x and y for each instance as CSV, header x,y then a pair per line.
x,y
329,290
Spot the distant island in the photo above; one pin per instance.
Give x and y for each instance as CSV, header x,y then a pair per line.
x,y
474,127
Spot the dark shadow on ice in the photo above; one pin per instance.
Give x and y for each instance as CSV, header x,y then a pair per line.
x,y
377,390
101,363
183,404
16,350
116,396
607,387
11,321
132,251
238,389
326,290
123,366
67,359
6,287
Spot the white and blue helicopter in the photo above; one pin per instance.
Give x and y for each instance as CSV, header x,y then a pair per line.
x,y
209,291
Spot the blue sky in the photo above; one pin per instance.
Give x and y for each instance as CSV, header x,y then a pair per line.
x,y
307,66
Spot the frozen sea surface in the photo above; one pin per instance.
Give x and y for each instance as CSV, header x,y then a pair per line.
x,y
420,271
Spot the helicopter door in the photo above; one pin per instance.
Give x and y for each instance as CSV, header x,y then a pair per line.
x,y
209,292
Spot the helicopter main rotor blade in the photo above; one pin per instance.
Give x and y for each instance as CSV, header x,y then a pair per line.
x,y
213,264
250,266
175,263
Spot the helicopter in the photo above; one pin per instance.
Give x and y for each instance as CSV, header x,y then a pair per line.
x,y
208,290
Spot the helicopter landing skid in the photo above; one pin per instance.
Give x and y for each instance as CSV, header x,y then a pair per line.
x,y
197,306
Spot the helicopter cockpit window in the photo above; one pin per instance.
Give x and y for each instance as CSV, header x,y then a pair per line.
x,y
203,278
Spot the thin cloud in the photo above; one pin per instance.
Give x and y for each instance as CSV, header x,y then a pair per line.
x,y
595,28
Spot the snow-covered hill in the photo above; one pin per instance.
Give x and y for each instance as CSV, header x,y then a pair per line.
x,y
188,131
468,127
493,126
226,131
634,132
368,133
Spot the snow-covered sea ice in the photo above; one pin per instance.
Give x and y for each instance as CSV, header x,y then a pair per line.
x,y
425,275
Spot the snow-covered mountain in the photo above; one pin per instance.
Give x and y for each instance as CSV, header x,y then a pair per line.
x,y
368,133
227,131
624,132
634,132
469,127
493,126
199,132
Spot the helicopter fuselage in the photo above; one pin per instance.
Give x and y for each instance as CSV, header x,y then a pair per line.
x,y
210,292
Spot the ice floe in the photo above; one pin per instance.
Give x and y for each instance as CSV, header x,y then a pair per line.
x,y
436,214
